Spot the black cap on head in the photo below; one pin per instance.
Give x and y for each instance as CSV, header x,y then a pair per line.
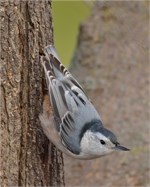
x,y
105,132
99,127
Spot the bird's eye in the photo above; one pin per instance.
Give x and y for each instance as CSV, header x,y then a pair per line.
x,y
102,142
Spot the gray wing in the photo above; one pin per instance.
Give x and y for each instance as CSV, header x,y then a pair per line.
x,y
73,125
72,109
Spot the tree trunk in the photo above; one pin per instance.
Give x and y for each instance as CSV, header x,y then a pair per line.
x,y
27,158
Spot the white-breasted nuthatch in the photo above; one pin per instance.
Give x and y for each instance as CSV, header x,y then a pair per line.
x,y
69,119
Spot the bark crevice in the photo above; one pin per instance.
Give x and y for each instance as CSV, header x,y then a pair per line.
x,y
24,154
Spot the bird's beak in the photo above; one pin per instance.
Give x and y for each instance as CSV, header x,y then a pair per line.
x,y
121,148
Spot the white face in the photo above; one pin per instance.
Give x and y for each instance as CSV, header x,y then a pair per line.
x,y
95,144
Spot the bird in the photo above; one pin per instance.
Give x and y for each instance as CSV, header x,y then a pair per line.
x,y
69,119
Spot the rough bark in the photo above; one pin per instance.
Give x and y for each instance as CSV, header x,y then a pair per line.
x,y
27,158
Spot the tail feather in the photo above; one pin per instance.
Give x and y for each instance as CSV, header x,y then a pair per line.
x,y
54,65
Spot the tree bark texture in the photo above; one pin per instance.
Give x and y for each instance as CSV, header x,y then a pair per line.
x,y
27,158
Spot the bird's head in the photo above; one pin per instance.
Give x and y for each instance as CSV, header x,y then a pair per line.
x,y
98,141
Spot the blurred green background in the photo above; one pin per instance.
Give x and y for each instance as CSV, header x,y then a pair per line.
x,y
67,16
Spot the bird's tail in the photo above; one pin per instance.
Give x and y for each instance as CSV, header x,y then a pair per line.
x,y
52,63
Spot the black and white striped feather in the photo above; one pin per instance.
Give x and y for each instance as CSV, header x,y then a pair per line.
x,y
71,107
